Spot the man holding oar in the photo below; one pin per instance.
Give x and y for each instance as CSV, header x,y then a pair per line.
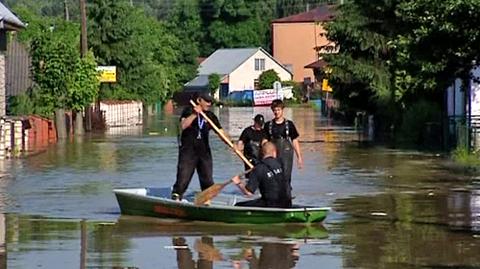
x,y
268,176
194,148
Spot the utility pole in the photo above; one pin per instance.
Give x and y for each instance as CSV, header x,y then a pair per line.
x,y
83,51
83,34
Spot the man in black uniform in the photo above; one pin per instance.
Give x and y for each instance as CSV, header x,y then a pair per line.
x,y
251,139
284,135
194,149
267,176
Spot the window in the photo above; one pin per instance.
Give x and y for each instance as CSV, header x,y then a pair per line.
x,y
259,64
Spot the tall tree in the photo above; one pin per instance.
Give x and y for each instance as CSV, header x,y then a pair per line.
x,y
149,67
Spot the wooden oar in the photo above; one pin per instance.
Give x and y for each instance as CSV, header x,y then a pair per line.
x,y
212,191
223,137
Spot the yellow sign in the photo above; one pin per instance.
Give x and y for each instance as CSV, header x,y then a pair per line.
x,y
325,86
107,73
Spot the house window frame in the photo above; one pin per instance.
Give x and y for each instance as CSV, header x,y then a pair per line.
x,y
259,64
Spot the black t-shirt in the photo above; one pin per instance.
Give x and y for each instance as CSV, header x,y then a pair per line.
x,y
194,137
252,138
269,178
274,130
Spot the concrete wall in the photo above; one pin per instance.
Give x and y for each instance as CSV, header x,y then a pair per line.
x,y
243,78
294,44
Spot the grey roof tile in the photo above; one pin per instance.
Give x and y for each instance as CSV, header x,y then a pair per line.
x,y
225,61
6,16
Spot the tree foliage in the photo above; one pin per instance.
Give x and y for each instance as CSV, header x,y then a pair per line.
x,y
62,79
267,78
149,61
213,83
393,53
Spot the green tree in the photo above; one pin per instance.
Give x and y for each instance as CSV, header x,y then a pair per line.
x,y
442,43
267,78
147,56
184,22
213,83
83,84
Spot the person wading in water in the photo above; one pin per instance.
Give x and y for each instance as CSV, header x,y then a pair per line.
x,y
250,140
284,135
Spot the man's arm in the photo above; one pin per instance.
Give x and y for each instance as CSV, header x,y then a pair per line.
x,y
186,122
298,152
241,186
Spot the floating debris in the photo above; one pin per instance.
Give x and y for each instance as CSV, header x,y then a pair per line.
x,y
378,214
176,247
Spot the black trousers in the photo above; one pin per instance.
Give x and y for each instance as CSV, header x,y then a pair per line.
x,y
285,154
188,161
262,203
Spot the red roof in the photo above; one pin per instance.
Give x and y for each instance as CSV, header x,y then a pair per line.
x,y
320,64
321,13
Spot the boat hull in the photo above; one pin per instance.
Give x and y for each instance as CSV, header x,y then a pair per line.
x,y
154,203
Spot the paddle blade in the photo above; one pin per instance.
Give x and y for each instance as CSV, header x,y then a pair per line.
x,y
209,193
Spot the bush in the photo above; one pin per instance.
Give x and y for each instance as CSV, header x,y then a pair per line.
x,y
416,118
267,78
20,105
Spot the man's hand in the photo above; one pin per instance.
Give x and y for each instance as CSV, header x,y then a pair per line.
x,y
300,163
198,109
236,179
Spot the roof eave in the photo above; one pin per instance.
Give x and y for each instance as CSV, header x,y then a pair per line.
x,y
8,26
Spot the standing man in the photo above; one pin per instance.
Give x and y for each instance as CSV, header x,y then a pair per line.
x,y
194,149
251,139
267,176
284,135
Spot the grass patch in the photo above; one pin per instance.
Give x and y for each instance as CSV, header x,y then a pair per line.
x,y
462,156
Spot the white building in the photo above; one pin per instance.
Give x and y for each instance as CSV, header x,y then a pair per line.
x,y
239,70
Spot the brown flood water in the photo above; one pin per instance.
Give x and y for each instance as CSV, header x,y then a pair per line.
x,y
390,208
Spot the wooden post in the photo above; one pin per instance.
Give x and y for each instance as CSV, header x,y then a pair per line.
x,y
83,51
60,124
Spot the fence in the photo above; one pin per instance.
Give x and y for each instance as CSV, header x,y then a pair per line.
x,y
463,132
121,113
25,135
18,65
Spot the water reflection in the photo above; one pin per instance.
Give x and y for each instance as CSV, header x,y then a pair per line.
x,y
425,228
272,255
149,243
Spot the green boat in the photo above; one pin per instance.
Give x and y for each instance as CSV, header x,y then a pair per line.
x,y
156,202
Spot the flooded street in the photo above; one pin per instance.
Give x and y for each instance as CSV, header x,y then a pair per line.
x,y
390,208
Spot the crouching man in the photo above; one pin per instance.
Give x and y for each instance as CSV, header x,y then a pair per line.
x,y
269,178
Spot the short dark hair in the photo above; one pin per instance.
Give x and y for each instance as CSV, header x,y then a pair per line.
x,y
277,103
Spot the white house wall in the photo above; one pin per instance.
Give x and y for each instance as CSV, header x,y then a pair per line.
x,y
243,78
475,92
